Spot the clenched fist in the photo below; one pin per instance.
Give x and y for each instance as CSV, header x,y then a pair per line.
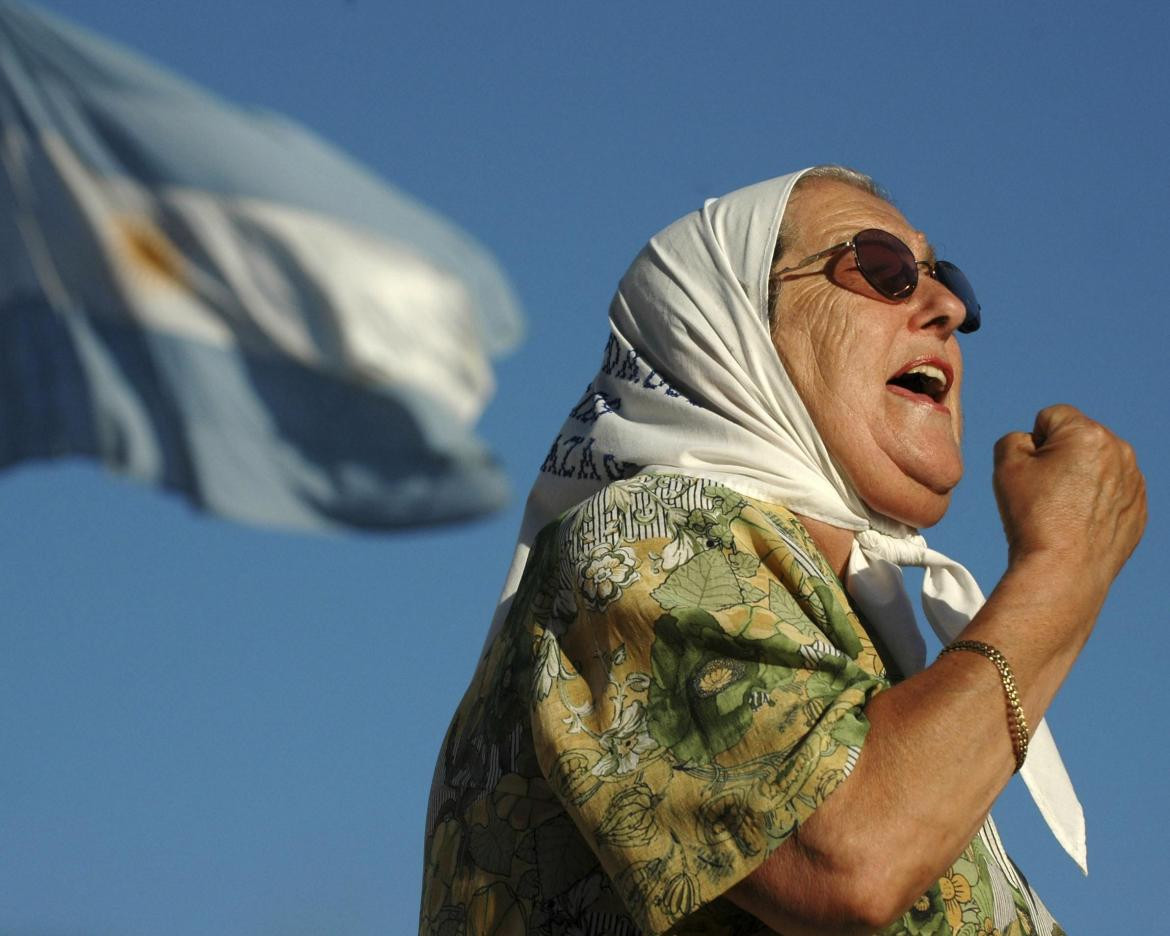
x,y
1070,491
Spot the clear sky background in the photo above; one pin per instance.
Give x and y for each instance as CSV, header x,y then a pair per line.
x,y
210,729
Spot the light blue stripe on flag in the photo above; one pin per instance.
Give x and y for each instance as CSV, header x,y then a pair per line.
x,y
216,301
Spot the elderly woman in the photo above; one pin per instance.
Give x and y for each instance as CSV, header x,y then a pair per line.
x,y
705,706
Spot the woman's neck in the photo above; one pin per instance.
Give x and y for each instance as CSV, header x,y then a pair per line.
x,y
833,542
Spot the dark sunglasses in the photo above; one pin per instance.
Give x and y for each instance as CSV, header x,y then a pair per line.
x,y
888,265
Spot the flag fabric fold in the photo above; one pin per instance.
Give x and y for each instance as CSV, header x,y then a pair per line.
x,y
217,301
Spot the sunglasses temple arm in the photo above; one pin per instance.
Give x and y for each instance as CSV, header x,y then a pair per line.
x,y
817,256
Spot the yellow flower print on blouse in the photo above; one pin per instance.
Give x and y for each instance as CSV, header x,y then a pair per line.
x,y
955,891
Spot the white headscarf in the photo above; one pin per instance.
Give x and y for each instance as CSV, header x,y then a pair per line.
x,y
691,383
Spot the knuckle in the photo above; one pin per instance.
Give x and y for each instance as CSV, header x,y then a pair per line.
x,y
1063,412
1096,434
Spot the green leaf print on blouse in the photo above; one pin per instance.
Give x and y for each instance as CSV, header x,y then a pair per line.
x,y
712,580
824,609
705,687
837,624
926,917
788,611
707,581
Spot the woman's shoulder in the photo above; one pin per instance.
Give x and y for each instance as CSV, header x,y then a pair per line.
x,y
692,513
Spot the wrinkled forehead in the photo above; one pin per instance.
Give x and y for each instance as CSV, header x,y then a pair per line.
x,y
822,212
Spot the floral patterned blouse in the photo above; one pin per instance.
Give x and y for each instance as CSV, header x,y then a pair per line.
x,y
679,684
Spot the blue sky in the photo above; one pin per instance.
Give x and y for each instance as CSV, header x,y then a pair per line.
x,y
207,728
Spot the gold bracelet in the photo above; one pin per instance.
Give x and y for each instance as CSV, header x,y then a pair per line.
x,y
1017,723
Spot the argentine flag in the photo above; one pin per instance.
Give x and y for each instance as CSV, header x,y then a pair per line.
x,y
214,300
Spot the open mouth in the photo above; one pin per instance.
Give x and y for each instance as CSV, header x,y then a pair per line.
x,y
923,380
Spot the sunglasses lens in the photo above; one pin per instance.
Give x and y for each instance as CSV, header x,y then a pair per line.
x,y
886,263
953,279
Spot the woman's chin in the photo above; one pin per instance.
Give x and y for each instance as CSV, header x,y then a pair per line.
x,y
928,511
917,501
910,486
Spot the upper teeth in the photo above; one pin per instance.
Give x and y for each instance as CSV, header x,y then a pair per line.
x,y
927,370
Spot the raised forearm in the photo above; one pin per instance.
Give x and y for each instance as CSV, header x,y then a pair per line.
x,y
939,750
937,755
